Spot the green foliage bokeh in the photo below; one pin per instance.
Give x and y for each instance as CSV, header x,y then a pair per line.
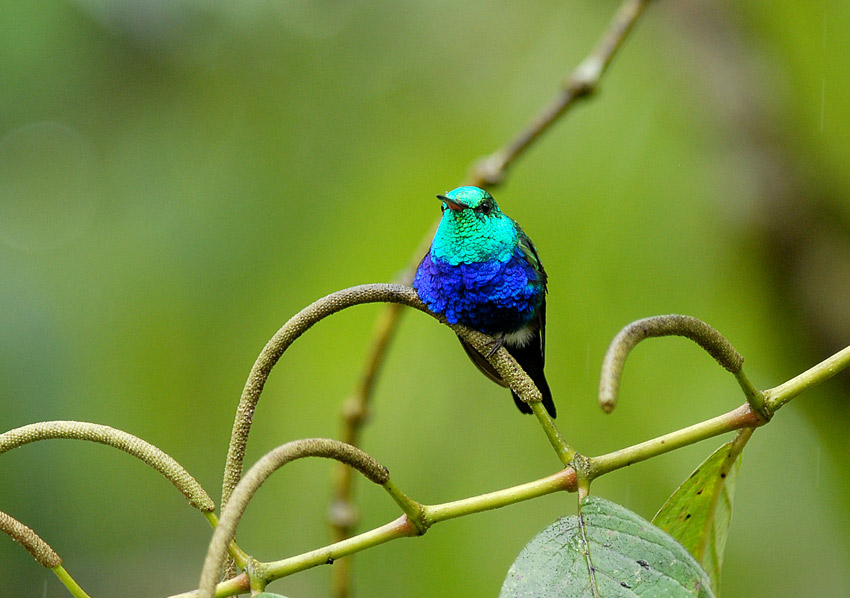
x,y
178,178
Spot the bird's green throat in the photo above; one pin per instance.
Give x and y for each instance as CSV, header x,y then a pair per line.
x,y
473,229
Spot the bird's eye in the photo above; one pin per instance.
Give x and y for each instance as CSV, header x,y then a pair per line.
x,y
485,208
442,207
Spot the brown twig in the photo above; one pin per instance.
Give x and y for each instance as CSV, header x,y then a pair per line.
x,y
582,82
489,171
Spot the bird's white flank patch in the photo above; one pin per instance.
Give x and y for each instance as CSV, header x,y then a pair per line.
x,y
519,338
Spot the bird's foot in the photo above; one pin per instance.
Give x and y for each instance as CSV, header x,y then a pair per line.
x,y
495,345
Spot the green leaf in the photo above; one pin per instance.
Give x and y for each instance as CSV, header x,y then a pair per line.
x,y
700,510
269,595
605,552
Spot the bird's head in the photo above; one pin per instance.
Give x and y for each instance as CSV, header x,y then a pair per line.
x,y
468,202
473,228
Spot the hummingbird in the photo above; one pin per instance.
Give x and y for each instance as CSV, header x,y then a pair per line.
x,y
483,271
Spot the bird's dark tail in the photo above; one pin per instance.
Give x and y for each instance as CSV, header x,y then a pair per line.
x,y
531,360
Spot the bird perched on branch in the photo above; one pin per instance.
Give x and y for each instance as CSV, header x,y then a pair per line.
x,y
483,271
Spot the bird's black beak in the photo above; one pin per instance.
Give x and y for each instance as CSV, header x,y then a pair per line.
x,y
453,204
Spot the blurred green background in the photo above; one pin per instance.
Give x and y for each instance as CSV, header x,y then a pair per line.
x,y
177,178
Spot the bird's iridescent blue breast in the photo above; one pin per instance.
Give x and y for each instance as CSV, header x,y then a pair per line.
x,y
482,270
490,296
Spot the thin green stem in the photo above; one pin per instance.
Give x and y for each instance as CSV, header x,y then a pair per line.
x,y
776,397
239,556
73,587
565,451
755,397
231,587
399,528
742,417
563,480
415,511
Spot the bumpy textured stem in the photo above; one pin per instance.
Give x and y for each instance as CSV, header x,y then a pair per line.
x,y
128,443
507,367
254,478
271,353
23,535
673,325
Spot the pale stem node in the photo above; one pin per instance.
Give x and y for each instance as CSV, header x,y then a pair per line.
x,y
74,588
